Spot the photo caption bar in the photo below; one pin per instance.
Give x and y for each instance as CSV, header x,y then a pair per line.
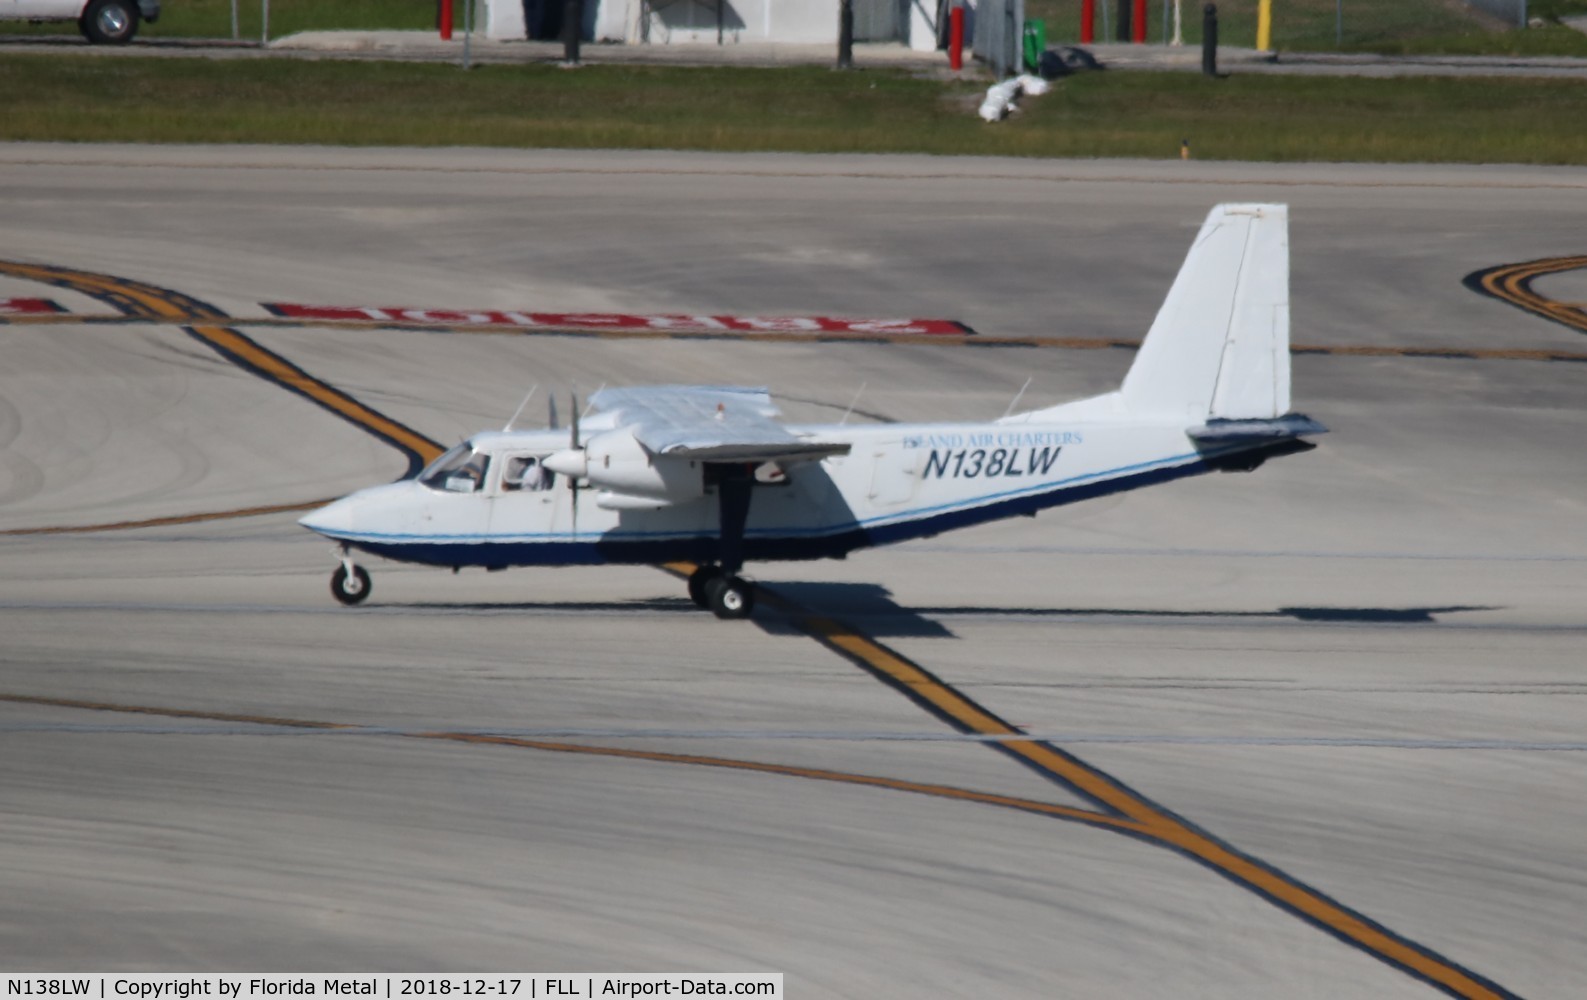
x,y
491,985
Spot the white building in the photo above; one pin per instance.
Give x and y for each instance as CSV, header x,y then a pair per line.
x,y
662,22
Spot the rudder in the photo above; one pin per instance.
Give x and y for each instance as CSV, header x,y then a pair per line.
x,y
1219,347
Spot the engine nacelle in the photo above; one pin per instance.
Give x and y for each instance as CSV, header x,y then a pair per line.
x,y
607,500
619,464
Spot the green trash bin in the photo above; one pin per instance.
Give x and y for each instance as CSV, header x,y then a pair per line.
x,y
1035,43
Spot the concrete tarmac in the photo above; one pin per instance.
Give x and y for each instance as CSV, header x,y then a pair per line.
x,y
1359,669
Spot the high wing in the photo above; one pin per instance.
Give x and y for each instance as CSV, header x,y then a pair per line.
x,y
709,424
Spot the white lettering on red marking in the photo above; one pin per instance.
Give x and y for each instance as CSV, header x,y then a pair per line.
x,y
621,321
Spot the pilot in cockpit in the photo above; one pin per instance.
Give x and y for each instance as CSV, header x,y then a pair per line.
x,y
526,473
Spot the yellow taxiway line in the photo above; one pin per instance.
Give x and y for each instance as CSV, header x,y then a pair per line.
x,y
1512,283
1148,820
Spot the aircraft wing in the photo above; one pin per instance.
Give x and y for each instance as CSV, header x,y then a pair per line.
x,y
709,423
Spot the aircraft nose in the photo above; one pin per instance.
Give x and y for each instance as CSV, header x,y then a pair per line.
x,y
333,519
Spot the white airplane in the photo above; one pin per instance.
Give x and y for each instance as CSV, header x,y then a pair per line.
x,y
704,474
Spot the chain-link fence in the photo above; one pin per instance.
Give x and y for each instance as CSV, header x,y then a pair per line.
x,y
1297,24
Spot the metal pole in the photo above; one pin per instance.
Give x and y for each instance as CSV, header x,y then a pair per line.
x,y
1524,18
845,34
235,30
468,33
264,29
1179,26
1209,39
572,31
1014,50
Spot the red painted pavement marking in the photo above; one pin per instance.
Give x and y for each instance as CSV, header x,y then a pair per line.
x,y
28,307
620,321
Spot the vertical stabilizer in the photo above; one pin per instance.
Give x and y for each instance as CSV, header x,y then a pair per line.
x,y
1219,347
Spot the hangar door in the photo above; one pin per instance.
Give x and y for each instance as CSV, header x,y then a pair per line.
x,y
879,20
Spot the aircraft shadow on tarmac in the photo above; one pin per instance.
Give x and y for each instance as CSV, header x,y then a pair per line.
x,y
1376,616
883,616
873,604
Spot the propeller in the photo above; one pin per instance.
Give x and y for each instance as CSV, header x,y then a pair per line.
x,y
575,444
572,462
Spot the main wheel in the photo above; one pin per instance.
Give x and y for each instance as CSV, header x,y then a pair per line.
x,y
697,581
350,589
110,22
730,597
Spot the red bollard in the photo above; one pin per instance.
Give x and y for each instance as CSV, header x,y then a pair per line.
x,y
1138,23
446,20
956,38
1088,21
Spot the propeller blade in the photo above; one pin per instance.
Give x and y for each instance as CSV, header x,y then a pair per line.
x,y
573,482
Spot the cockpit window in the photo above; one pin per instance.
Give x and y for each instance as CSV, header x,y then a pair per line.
x,y
460,470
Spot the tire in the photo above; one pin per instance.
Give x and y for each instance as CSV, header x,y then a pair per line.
x,y
730,597
350,590
110,22
697,581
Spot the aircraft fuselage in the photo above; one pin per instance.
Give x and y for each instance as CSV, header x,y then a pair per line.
x,y
898,481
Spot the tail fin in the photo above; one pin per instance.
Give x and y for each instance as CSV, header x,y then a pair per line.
x,y
1219,347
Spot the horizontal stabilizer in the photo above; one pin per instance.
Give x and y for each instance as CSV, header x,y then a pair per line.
x,y
1219,432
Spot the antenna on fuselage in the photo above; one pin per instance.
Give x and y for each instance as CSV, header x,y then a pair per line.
x,y
852,403
518,412
1018,396
551,411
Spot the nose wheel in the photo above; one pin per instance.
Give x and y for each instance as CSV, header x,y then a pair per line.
x,y
350,583
723,594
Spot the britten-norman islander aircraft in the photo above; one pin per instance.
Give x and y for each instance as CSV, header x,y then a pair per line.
x,y
704,474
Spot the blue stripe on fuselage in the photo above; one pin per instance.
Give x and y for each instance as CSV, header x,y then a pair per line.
x,y
786,544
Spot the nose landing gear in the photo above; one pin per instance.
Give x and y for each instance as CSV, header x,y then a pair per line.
x,y
350,583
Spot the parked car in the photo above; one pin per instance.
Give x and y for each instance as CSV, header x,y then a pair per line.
x,y
105,22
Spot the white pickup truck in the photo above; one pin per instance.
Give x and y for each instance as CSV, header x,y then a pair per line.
x,y
108,22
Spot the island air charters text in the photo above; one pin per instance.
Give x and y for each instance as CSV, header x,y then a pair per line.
x,y
494,985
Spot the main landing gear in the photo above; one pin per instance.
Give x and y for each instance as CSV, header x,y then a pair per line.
x,y
719,587
350,583
723,594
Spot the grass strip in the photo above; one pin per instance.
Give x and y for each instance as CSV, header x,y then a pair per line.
x,y
55,97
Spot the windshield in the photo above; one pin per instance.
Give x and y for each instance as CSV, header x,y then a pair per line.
x,y
460,470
